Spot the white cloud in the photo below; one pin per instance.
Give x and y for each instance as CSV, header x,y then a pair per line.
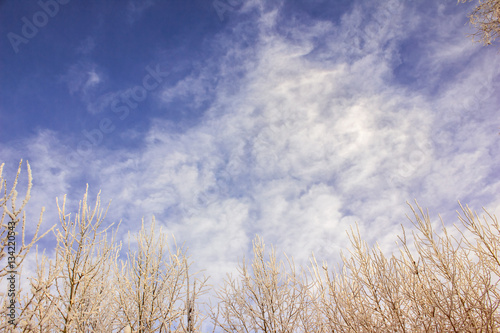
x,y
81,78
93,79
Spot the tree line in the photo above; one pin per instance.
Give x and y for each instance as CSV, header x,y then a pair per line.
x,y
438,282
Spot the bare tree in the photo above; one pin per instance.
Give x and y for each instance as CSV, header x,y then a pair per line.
x,y
39,305
73,292
153,286
486,20
9,247
444,284
85,288
271,296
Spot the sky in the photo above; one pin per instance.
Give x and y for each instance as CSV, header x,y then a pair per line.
x,y
224,119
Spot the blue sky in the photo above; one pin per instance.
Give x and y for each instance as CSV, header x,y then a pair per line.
x,y
226,119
